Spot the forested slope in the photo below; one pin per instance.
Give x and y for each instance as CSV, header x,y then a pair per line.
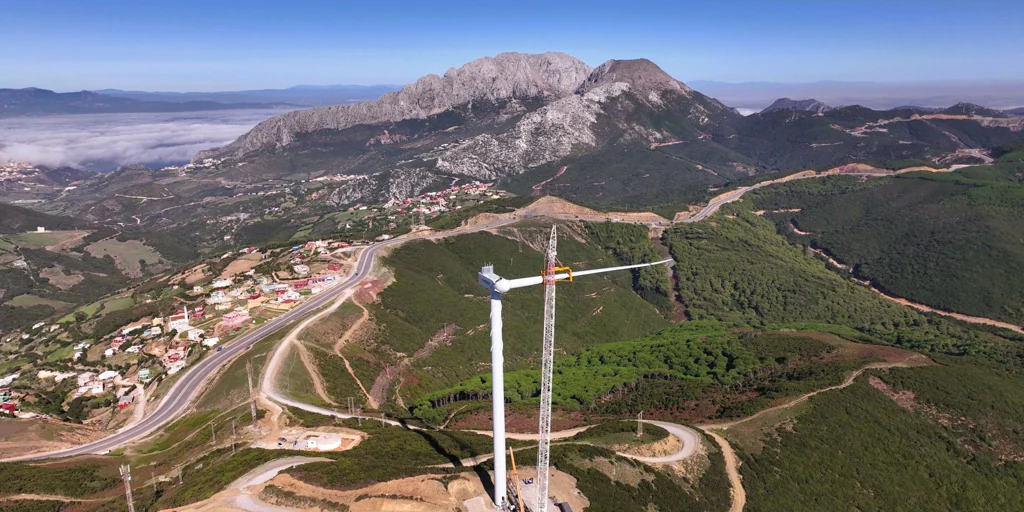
x,y
908,439
736,268
951,241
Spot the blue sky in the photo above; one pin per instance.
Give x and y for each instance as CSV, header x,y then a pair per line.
x,y
209,46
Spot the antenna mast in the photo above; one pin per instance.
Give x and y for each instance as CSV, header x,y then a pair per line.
x,y
546,374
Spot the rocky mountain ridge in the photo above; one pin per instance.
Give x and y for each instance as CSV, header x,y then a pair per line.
x,y
622,135
505,76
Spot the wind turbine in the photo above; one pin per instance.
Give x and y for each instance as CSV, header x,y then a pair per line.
x,y
499,286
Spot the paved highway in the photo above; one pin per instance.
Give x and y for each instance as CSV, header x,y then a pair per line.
x,y
177,400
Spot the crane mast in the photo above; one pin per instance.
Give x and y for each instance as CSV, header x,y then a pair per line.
x,y
498,286
546,375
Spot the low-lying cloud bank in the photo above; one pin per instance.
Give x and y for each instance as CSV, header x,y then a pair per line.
x,y
104,141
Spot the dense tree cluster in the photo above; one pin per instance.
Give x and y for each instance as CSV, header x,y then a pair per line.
x,y
951,241
631,245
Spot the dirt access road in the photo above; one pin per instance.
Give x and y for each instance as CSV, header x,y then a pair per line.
x,y
732,461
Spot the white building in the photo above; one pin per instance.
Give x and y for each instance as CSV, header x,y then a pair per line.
x,y
131,329
107,375
221,283
64,375
211,342
324,442
179,322
301,269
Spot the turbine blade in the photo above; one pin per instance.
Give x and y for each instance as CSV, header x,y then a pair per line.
x,y
535,280
612,269
525,281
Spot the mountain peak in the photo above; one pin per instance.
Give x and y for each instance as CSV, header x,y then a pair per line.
x,y
642,75
970,109
504,76
810,105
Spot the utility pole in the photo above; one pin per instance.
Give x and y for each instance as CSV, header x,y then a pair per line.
x,y
233,436
213,434
640,424
252,392
126,477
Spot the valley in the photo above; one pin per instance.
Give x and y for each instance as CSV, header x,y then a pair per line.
x,y
291,320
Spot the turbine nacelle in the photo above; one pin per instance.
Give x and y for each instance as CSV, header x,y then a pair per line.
x,y
493,282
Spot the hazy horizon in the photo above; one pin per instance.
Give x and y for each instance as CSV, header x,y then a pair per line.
x,y
187,45
691,82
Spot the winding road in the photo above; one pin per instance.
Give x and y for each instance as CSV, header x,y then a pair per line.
x,y
178,399
180,396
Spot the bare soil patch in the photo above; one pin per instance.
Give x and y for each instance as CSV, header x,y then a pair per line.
x,y
558,208
24,437
241,265
58,278
519,421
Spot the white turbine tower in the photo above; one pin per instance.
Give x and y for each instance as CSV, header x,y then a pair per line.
x,y
498,287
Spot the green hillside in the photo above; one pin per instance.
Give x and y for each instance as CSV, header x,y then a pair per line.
x,y
15,219
937,448
435,296
950,241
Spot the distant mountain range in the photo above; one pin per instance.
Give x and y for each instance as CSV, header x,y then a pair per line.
x,y
34,101
877,95
304,95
